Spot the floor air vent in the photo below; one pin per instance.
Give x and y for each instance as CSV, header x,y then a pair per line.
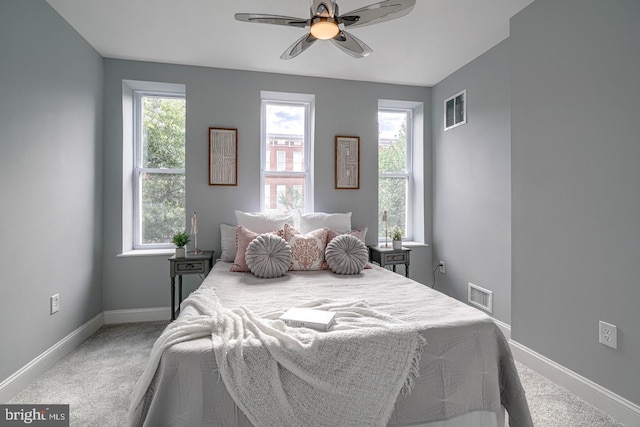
x,y
481,297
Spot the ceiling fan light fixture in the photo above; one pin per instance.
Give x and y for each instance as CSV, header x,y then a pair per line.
x,y
324,28
328,24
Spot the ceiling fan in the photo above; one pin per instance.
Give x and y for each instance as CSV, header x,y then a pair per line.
x,y
325,22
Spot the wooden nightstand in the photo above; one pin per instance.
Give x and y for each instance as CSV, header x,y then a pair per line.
x,y
389,256
191,264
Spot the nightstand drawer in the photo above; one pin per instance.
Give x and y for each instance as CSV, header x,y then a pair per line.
x,y
395,258
190,267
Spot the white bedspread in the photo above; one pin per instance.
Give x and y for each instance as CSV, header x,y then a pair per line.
x,y
466,365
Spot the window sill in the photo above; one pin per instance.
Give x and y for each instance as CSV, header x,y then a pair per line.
x,y
408,244
146,252
415,244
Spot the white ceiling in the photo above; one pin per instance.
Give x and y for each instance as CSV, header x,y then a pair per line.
x,y
422,48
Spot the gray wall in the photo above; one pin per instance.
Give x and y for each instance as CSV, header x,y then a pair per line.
x,y
576,185
50,180
472,182
228,98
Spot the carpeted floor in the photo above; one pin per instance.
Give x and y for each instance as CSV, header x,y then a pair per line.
x,y
97,378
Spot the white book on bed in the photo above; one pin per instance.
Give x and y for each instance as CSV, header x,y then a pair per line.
x,y
320,320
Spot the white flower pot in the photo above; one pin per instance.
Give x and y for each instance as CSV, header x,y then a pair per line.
x,y
181,252
397,244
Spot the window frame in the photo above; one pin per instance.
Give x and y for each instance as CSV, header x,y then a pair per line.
x,y
289,99
139,170
408,174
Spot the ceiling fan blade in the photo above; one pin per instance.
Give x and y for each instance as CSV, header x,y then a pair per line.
x,y
302,44
351,45
272,19
324,8
379,12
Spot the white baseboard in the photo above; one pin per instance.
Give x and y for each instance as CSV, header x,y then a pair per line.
x,y
137,315
624,411
38,366
504,327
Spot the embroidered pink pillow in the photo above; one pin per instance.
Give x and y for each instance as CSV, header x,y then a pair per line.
x,y
244,236
307,250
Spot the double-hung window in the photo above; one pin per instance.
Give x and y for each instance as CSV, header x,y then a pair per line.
x,y
286,150
158,168
395,181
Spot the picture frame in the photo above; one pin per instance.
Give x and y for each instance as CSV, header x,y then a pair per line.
x,y
347,163
223,156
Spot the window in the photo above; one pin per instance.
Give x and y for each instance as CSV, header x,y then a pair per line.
x,y
159,174
455,110
286,147
153,180
395,182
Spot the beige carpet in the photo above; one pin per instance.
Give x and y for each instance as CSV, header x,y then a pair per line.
x,y
553,406
97,378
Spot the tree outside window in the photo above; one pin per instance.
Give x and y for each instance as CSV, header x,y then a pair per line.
x,y
160,169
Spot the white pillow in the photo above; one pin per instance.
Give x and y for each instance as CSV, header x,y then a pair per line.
x,y
228,242
340,222
263,223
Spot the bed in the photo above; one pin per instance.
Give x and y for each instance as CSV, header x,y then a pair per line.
x,y
467,376
399,353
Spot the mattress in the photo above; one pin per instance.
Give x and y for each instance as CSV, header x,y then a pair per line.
x,y
467,373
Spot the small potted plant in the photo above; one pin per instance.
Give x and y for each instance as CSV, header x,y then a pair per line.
x,y
180,240
396,237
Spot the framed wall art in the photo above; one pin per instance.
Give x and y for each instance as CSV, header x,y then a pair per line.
x,y
223,156
347,163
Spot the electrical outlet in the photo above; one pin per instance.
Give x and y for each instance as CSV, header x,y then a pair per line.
x,y
442,269
608,334
55,303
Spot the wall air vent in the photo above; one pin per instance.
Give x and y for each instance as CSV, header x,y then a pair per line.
x,y
455,110
480,297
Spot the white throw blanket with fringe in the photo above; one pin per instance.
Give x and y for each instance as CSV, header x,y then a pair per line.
x,y
282,376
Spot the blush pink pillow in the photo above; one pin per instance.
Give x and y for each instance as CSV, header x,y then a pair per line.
x,y
308,249
244,236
